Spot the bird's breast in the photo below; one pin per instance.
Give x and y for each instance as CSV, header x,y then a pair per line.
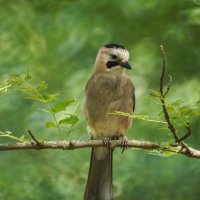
x,y
106,94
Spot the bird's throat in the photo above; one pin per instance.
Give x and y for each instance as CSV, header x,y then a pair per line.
x,y
117,70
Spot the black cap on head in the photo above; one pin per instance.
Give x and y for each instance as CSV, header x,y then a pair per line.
x,y
117,46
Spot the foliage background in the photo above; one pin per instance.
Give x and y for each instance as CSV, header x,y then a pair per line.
x,y
57,41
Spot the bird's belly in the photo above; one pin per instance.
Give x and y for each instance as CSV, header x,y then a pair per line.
x,y
114,126
107,124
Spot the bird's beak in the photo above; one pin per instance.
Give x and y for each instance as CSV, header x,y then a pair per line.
x,y
125,65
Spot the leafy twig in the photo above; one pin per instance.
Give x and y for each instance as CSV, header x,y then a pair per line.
x,y
165,111
50,108
162,97
22,83
8,134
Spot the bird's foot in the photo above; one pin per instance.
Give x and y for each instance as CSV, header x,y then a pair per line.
x,y
106,142
114,138
124,143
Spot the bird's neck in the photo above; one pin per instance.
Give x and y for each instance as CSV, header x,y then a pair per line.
x,y
118,71
99,66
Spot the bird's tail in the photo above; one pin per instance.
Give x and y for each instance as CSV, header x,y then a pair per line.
x,y
99,184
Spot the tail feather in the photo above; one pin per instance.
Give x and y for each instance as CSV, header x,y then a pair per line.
x,y
99,184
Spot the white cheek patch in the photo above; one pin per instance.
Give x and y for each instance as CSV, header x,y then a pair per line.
x,y
121,53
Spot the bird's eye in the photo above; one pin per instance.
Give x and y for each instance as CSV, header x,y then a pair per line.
x,y
113,56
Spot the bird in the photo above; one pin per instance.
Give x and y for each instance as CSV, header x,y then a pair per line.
x,y
109,89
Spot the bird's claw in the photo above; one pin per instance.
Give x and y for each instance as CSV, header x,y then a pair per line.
x,y
124,143
71,145
106,142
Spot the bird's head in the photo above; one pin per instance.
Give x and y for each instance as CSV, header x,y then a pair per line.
x,y
112,57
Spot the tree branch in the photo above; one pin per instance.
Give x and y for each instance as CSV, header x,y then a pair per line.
x,y
75,144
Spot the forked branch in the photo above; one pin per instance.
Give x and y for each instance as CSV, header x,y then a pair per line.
x,y
163,94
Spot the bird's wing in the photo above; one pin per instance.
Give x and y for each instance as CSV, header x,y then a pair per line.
x,y
134,100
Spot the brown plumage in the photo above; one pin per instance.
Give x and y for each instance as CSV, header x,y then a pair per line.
x,y
108,90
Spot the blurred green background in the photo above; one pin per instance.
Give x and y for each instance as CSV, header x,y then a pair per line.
x,y
57,41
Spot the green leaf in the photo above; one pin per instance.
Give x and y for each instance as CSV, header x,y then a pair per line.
x,y
171,108
177,102
198,103
50,125
140,117
120,113
27,89
5,87
161,153
49,97
15,79
73,119
43,97
8,132
45,110
42,86
27,76
18,79
149,118
154,93
9,135
61,105
34,89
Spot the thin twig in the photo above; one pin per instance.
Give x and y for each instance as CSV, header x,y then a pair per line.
x,y
33,137
163,69
169,86
188,133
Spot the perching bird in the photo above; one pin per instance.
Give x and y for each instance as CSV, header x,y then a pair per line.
x,y
108,90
